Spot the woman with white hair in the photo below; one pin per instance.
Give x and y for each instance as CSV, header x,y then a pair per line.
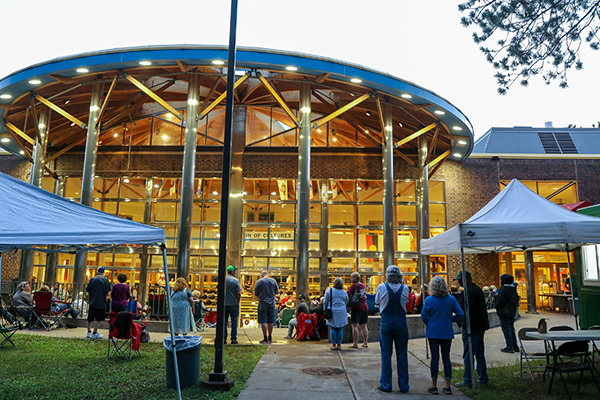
x,y
392,297
336,299
439,312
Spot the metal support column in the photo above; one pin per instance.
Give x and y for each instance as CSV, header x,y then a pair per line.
x,y
388,188
324,241
87,179
423,210
302,234
52,258
236,187
531,287
184,231
35,179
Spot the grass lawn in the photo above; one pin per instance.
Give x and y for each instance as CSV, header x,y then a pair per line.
x,y
505,383
55,368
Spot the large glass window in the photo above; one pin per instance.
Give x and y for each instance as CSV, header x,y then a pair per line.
x,y
559,192
591,266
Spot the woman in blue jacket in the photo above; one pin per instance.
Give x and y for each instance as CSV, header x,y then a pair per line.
x,y
439,312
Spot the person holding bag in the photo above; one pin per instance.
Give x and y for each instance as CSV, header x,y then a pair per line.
x,y
335,300
507,304
359,311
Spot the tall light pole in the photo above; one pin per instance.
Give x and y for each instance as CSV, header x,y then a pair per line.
x,y
218,377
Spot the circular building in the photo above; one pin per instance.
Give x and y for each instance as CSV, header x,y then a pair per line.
x,y
333,164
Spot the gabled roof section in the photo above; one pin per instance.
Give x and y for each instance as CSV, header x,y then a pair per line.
x,y
548,141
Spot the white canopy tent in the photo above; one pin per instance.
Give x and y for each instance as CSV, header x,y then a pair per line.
x,y
516,219
33,218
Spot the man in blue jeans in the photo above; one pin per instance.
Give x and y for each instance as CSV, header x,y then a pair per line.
x,y
233,294
479,324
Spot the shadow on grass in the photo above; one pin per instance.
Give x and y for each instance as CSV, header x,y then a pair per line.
x,y
58,368
506,383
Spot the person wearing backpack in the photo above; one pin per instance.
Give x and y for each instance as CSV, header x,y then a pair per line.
x,y
358,312
507,304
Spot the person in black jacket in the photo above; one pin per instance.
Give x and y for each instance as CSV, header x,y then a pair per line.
x,y
479,324
507,303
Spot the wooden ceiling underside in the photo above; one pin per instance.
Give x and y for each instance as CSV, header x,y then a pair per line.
x,y
358,126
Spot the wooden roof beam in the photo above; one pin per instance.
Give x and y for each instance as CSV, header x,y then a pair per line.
x,y
437,163
60,111
106,99
277,97
14,129
340,111
152,95
415,135
222,96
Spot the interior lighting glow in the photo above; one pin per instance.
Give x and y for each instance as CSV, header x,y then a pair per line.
x,y
319,130
439,112
356,80
21,152
291,68
116,135
215,193
462,142
82,70
156,185
366,131
41,126
273,193
388,128
145,63
165,137
218,62
244,193
457,155
35,82
126,180
72,123
192,102
406,96
5,140
5,96
457,128
305,109
240,72
94,108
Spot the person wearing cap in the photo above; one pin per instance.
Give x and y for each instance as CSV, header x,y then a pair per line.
x,y
392,296
478,319
98,288
233,294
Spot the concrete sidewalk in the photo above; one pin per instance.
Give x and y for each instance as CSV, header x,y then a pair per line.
x,y
302,369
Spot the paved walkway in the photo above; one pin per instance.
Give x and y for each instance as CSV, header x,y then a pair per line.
x,y
284,366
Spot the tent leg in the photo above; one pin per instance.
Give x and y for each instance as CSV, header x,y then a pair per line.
x,y
572,287
0,272
168,288
467,316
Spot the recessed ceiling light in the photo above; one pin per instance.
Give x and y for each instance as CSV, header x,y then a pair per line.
x,y
82,70
291,68
156,185
356,80
126,180
462,142
457,155
273,193
218,62
145,63
215,193
439,112
35,82
5,96
5,140
21,152
457,128
116,135
406,96
240,72
165,137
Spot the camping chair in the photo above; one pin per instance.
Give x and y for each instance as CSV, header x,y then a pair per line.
x,y
8,327
570,350
123,335
211,320
43,314
528,356
286,315
135,311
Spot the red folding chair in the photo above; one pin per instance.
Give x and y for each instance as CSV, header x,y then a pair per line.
x,y
43,314
123,335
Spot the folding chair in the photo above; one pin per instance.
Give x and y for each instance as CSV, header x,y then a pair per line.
x,y
211,319
570,350
528,356
286,315
8,327
595,348
123,335
43,313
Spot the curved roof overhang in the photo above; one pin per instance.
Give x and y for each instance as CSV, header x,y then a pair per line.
x,y
334,84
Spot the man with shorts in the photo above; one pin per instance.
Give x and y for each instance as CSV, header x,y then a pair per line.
x,y
98,288
360,313
266,289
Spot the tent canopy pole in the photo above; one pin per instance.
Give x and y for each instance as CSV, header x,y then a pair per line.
x,y
168,289
571,286
467,314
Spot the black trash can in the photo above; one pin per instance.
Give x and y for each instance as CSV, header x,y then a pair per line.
x,y
188,360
